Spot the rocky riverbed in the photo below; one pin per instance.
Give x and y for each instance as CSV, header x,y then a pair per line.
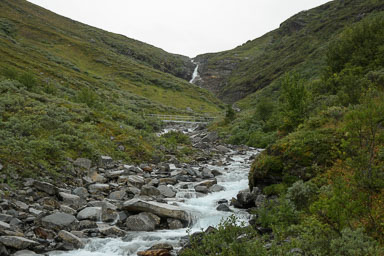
x,y
120,209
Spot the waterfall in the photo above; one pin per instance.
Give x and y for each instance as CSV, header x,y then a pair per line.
x,y
195,73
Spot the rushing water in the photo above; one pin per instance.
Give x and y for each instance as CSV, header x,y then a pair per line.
x,y
195,73
202,208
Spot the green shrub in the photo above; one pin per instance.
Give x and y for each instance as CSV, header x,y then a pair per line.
x,y
277,214
302,193
28,80
275,189
355,243
230,239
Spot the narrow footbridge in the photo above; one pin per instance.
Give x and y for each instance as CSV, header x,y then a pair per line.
x,y
181,119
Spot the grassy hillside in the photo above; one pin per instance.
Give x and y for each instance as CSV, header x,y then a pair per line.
x,y
299,44
69,90
322,171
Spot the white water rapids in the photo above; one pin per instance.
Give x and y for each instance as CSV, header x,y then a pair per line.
x,y
202,209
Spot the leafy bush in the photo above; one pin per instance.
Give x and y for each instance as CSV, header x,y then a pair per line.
x,y
230,239
277,214
302,193
355,243
28,80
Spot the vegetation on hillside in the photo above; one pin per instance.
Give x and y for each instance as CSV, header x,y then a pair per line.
x,y
323,165
298,44
68,90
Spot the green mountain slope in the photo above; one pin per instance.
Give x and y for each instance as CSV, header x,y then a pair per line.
x,y
69,90
321,175
299,44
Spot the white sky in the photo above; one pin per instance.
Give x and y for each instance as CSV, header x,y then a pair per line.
x,y
187,27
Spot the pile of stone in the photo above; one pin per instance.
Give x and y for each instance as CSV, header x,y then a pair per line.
x,y
105,199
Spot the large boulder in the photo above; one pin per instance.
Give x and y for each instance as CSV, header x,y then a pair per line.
x,y
216,188
136,180
149,191
90,213
59,221
160,209
246,198
112,231
117,195
46,187
166,191
71,239
17,242
105,161
141,222
70,200
83,163
95,188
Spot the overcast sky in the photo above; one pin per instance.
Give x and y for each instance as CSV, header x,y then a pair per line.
x,y
187,27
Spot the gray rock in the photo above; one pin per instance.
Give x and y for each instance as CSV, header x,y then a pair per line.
x,y
136,180
109,214
210,137
174,223
246,199
35,211
201,189
207,173
260,200
115,174
105,161
222,149
46,187
4,251
4,226
216,188
94,188
5,217
112,231
149,191
70,200
141,222
71,239
166,191
81,192
17,242
216,173
96,177
90,213
21,205
83,163
118,195
160,209
59,221
67,209
1,167
223,208
24,253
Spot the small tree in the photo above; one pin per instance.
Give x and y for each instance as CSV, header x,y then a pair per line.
x,y
230,115
294,99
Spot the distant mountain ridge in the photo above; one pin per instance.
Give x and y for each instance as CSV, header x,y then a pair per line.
x,y
298,44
